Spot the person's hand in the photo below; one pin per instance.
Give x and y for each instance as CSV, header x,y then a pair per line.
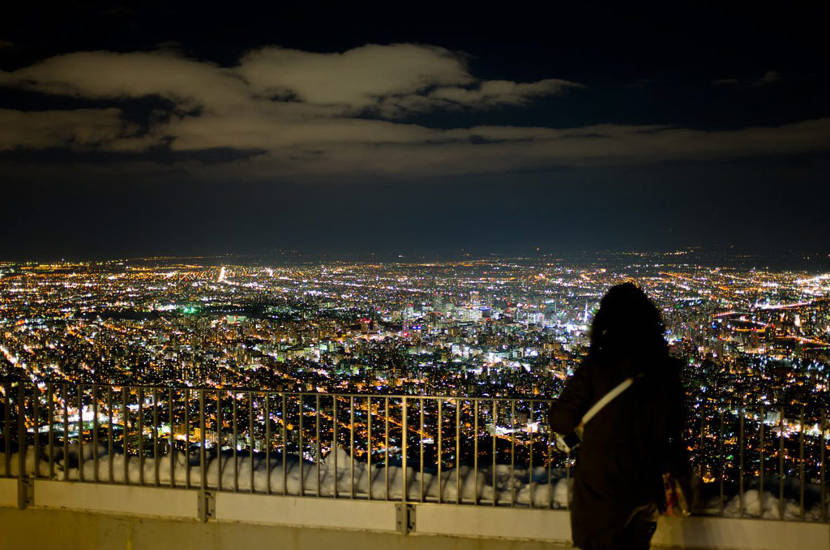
x,y
562,445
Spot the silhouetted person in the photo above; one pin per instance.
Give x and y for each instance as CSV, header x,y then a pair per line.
x,y
636,437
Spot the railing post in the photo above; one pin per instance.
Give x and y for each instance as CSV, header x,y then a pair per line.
x,y
95,457
36,428
334,431
761,461
404,491
369,445
51,440
267,443
351,444
202,456
781,463
7,429
24,484
251,440
823,458
494,412
801,463
458,498
475,450
741,442
440,449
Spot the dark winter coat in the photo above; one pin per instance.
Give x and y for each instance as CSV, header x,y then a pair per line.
x,y
627,446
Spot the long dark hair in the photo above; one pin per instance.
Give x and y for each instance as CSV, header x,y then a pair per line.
x,y
627,326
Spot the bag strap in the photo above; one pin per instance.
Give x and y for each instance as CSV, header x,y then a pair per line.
x,y
607,398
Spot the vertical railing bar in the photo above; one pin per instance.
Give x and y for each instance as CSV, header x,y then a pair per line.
x,y
268,441
124,420
110,436
701,444
761,460
369,445
7,430
186,401
721,458
386,436
235,429
741,443
801,462
404,450
219,462
157,480
351,444
284,447
202,457
95,458
781,464
568,478
251,438
495,414
440,453
36,441
549,458
475,450
317,438
65,395
823,459
51,441
334,431
80,432
300,444
531,439
421,450
21,430
458,498
170,436
512,452
141,435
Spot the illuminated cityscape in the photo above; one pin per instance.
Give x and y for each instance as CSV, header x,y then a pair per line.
x,y
754,341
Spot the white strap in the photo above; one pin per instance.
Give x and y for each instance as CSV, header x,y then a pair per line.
x,y
607,398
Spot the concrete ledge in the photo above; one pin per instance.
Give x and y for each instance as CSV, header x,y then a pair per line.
x,y
154,513
117,499
306,511
73,530
493,522
726,533
8,491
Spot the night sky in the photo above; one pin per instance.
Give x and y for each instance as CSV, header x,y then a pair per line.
x,y
245,129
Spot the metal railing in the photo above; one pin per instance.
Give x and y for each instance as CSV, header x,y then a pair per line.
x,y
462,450
388,447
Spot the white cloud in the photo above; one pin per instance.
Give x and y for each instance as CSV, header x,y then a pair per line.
x,y
357,78
302,113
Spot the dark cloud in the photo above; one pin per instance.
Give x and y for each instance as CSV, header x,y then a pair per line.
x,y
768,77
305,114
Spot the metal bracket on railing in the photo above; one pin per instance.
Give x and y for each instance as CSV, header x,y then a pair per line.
x,y
207,505
25,492
404,518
